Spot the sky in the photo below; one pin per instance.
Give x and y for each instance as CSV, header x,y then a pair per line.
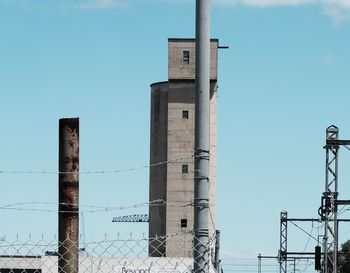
x,y
282,82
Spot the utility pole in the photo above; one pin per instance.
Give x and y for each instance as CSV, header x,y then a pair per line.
x,y
330,201
282,254
202,134
328,210
330,239
68,208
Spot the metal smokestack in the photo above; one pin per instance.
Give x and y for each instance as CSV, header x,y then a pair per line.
x,y
68,215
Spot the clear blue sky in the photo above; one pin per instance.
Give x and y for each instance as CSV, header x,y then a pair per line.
x,y
284,79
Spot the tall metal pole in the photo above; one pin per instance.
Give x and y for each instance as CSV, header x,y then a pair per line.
x,y
202,133
282,255
330,197
68,215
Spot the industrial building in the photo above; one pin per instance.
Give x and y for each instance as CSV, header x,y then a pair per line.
x,y
172,141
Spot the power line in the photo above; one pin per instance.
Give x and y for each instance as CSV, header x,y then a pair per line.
x,y
307,241
248,265
237,258
303,230
346,147
244,269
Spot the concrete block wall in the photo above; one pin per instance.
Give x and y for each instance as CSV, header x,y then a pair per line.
x,y
178,70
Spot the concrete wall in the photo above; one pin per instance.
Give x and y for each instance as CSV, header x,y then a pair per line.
x,y
174,139
180,186
178,70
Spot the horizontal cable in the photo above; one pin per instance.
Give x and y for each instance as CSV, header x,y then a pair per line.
x,y
307,233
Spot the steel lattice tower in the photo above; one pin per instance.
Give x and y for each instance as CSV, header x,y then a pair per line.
x,y
282,255
329,199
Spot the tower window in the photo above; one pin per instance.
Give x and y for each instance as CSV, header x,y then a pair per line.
x,y
184,169
186,57
183,223
185,114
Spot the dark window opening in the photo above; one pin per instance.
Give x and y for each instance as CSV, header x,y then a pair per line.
x,y
183,223
185,114
186,57
184,169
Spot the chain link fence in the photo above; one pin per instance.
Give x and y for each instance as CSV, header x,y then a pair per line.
x,y
109,255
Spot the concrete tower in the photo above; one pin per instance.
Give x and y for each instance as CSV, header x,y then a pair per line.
x,y
172,139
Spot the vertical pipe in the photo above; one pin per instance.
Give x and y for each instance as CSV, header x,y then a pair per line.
x,y
202,133
68,215
259,263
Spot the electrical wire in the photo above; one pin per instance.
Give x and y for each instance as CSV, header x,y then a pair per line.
x,y
342,210
308,264
304,231
346,147
307,241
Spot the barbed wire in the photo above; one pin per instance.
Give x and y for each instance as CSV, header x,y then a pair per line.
x,y
53,242
158,202
97,208
100,171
